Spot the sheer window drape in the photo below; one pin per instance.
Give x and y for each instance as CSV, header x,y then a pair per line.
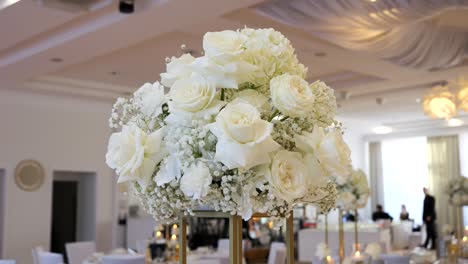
x,y
375,174
444,165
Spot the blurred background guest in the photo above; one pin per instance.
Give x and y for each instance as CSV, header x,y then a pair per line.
x,y
429,218
404,215
379,214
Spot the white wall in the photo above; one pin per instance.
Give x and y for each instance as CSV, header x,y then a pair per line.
x,y
2,205
62,134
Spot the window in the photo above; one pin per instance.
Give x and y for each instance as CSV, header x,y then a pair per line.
x,y
405,173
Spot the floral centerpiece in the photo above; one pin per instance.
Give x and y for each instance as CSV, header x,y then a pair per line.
x,y
238,129
457,191
353,191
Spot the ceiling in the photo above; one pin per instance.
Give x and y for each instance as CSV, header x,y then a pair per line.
x,y
102,54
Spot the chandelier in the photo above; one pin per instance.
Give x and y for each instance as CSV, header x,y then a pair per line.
x,y
446,100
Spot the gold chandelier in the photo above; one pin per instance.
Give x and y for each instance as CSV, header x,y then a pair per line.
x,y
445,100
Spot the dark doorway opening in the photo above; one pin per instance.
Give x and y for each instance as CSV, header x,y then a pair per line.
x,y
64,212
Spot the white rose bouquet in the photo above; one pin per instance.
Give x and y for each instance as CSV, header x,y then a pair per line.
x,y
354,192
238,129
457,191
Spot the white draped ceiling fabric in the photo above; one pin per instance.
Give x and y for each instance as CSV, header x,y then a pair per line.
x,y
402,31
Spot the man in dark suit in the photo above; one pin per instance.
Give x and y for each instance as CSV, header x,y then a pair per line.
x,y
429,218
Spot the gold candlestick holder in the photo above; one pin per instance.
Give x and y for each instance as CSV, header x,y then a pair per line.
x,y
357,246
235,235
341,236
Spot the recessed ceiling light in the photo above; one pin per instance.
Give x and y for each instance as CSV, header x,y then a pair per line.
x,y
454,122
418,100
382,130
320,54
113,73
56,59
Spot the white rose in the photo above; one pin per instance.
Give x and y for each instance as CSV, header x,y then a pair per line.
x,y
196,181
254,98
271,53
289,175
223,45
362,201
346,200
134,154
169,170
177,68
150,98
330,149
292,95
244,139
193,97
457,199
374,250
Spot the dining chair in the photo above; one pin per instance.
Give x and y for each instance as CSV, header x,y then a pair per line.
x,y
223,245
77,252
123,259
7,261
277,253
141,246
45,257
35,252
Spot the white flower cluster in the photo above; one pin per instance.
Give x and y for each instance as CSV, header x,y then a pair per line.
x,y
354,192
240,131
457,191
374,250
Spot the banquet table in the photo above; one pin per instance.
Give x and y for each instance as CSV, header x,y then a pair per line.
x,y
193,257
308,239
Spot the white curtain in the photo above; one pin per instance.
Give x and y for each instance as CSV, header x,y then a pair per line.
x,y
403,31
444,165
375,174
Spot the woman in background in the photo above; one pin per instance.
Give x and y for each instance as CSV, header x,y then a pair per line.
x,y
404,215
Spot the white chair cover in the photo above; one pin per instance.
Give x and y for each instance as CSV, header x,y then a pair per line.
x,y
35,252
123,259
205,261
7,261
79,251
277,253
396,259
141,246
223,245
45,257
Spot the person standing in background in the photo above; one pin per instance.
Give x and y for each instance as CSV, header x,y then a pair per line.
x,y
404,215
429,219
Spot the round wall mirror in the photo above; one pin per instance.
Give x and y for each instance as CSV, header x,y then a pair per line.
x,y
29,175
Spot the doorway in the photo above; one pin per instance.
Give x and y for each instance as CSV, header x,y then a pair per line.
x,y
73,209
64,212
2,209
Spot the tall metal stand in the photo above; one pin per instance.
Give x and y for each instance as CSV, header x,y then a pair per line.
x,y
326,230
356,233
235,236
341,235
